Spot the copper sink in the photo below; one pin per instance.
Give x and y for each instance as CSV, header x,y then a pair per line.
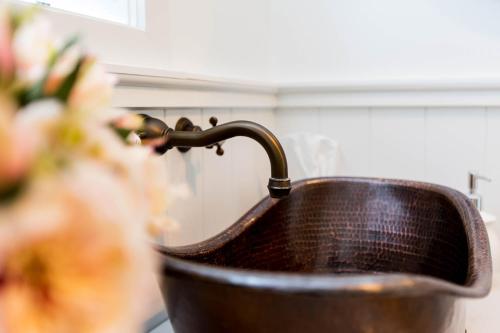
x,y
336,255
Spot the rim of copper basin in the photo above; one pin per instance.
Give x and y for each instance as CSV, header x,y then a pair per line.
x,y
477,284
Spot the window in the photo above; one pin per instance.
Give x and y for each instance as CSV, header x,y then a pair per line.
x,y
128,12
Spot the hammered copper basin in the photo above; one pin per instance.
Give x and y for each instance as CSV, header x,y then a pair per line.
x,y
336,255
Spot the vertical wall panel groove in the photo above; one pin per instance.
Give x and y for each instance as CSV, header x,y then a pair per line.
x,y
491,191
398,143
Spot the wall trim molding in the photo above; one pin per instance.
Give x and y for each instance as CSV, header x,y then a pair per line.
x,y
438,93
391,85
151,88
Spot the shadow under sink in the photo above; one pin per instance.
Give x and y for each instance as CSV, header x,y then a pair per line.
x,y
336,255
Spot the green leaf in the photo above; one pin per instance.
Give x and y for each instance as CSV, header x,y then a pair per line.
x,y
69,43
36,91
123,133
32,94
65,89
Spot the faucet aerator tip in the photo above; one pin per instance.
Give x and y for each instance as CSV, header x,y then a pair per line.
x,y
279,188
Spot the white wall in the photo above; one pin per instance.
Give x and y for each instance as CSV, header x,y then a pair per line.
x,y
337,40
223,38
220,38
305,40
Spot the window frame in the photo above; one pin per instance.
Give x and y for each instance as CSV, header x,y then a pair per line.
x,y
116,43
135,12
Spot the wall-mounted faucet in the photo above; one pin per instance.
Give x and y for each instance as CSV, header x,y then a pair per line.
x,y
186,135
184,124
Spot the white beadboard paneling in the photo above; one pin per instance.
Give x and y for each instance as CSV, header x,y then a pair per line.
x,y
398,143
156,113
218,191
455,144
351,128
289,121
491,191
249,163
266,118
155,303
185,171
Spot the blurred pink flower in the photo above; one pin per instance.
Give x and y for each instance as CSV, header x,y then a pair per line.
x,y
23,135
6,56
17,149
71,261
74,255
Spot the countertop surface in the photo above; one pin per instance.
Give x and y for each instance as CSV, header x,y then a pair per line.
x,y
163,328
482,314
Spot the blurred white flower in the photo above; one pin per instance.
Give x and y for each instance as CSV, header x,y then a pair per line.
x,y
33,46
39,117
131,121
93,88
146,177
133,138
143,173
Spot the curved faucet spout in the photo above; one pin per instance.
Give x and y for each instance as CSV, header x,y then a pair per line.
x,y
279,184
